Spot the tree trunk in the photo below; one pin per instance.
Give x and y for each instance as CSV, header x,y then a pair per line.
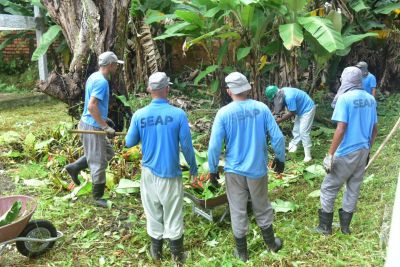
x,y
90,28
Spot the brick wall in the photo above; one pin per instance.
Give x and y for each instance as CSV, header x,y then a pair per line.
x,y
19,48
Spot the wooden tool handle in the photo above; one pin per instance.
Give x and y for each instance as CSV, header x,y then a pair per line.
x,y
95,132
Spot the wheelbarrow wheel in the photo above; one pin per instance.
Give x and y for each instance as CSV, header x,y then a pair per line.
x,y
40,229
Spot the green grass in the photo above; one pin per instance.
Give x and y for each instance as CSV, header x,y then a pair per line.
x,y
119,236
37,118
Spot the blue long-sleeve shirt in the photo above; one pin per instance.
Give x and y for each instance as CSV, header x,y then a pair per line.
x,y
297,101
244,126
160,128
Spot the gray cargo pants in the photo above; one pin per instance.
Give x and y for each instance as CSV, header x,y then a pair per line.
x,y
239,188
349,169
98,151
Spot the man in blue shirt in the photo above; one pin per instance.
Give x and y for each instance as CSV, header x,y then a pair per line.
x,y
369,80
299,104
243,126
356,118
97,148
161,128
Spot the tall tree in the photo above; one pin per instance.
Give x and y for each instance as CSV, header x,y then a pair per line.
x,y
90,28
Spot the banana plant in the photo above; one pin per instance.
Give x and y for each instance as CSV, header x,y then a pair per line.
x,y
25,8
240,27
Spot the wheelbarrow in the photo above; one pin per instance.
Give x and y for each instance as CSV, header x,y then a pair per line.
x,y
205,207
32,237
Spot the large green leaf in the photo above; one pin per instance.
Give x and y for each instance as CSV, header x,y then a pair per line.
x,y
283,206
295,6
291,34
222,52
229,4
323,31
191,17
386,9
47,39
336,19
369,23
177,27
127,186
315,193
204,73
157,16
202,37
212,12
13,8
246,15
358,5
242,52
174,30
10,215
214,89
351,39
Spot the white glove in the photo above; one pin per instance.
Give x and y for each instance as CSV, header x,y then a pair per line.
x,y
328,160
109,131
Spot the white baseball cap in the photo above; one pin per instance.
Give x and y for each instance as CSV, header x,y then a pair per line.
x,y
158,81
109,57
237,83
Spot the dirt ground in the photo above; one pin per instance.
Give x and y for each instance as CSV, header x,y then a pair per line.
x,y
6,184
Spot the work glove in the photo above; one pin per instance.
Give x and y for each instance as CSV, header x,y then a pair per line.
x,y
278,166
214,177
110,123
109,131
328,161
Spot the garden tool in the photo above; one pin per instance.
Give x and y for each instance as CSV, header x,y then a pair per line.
x,y
96,132
388,137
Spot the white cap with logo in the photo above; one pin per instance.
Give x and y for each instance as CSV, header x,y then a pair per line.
x,y
108,58
237,83
158,81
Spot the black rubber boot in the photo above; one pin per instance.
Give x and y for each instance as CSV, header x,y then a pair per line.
x,y
74,169
98,192
156,249
274,243
345,219
177,252
325,223
241,249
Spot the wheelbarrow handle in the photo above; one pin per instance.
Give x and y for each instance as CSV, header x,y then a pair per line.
x,y
25,239
95,132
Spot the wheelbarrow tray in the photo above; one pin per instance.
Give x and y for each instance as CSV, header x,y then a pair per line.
x,y
208,203
12,230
